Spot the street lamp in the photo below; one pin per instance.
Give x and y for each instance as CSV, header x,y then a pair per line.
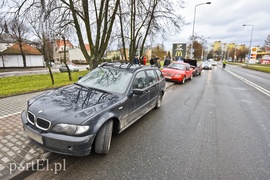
x,y
194,27
235,46
249,52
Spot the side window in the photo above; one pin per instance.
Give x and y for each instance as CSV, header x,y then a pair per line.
x,y
160,75
152,78
140,80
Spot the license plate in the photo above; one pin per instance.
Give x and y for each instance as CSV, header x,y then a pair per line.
x,y
168,77
34,136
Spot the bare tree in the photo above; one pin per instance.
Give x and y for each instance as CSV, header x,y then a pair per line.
x,y
140,21
40,19
145,20
19,30
4,27
95,19
267,41
158,51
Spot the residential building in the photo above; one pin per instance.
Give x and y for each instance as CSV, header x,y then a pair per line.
x,y
117,54
76,55
12,57
58,52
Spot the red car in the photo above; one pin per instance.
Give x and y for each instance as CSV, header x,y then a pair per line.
x,y
178,72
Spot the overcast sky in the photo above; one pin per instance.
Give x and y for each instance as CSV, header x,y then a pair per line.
x,y
223,20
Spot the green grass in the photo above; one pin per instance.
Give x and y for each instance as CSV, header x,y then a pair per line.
x,y
259,67
256,67
14,85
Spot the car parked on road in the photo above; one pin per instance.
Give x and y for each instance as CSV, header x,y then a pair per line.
x,y
265,59
178,72
197,67
73,119
207,65
51,64
71,67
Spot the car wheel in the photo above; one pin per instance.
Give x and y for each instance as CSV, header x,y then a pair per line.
x,y
159,100
103,138
184,80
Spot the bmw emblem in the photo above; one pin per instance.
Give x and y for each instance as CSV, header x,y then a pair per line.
x,y
40,111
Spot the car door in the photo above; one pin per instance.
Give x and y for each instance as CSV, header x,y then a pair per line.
x,y
137,104
153,88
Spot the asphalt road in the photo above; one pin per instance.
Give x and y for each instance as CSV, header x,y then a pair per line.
x,y
213,127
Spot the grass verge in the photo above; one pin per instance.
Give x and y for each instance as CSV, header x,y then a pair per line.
x,y
256,67
259,67
15,85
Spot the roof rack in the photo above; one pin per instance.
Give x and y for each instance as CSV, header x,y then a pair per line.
x,y
127,66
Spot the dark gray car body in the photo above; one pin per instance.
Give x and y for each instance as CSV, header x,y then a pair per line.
x,y
75,104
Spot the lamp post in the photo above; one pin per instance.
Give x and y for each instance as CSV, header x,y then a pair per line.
x,y
235,46
194,27
249,51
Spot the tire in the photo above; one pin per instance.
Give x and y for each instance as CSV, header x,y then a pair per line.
x,y
159,100
103,138
183,80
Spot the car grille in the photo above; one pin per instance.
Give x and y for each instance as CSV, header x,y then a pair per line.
x,y
40,123
31,118
168,74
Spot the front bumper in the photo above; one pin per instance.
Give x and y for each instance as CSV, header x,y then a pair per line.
x,y
174,78
59,143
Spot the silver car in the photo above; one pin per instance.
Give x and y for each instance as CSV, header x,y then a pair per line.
x,y
71,67
207,65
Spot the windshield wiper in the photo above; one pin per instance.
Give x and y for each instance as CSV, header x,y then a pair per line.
x,y
92,88
81,85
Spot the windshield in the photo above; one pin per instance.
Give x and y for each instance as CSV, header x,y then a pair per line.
x,y
177,66
107,79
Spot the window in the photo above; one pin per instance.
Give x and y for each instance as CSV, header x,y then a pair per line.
x,y
140,80
152,78
159,74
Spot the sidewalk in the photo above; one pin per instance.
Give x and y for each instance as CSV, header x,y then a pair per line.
x,y
19,156
17,153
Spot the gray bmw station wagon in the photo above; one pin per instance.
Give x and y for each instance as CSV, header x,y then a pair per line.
x,y
73,119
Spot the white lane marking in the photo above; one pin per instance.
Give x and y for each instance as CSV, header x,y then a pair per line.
x,y
5,116
261,89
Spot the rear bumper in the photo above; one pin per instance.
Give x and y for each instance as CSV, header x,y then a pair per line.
x,y
59,143
206,67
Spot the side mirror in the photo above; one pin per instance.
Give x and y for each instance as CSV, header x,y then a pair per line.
x,y
138,91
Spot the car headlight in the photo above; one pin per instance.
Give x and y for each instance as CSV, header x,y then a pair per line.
x,y
69,129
